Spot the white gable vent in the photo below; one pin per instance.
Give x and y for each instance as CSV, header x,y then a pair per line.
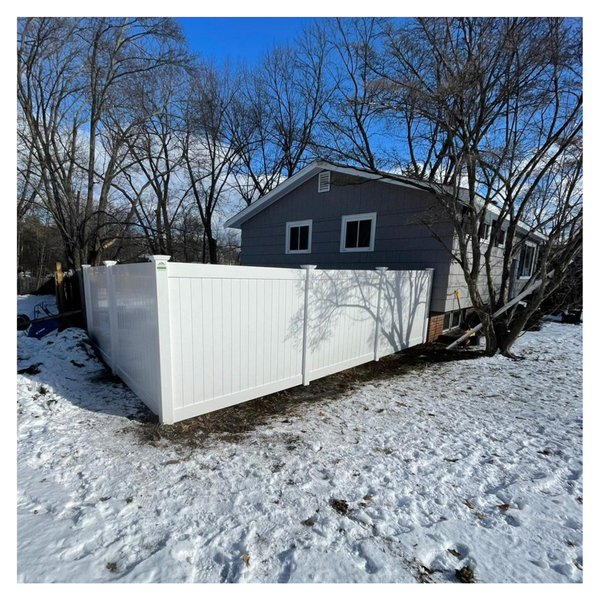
x,y
324,181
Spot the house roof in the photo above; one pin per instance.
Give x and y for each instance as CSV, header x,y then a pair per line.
x,y
316,167
304,175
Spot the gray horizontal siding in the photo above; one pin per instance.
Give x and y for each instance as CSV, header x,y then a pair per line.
x,y
401,241
456,280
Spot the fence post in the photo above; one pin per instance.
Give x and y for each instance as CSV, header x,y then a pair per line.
x,y
161,272
381,271
427,304
87,298
112,315
305,365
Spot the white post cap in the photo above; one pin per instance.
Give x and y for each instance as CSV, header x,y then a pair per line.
x,y
109,263
157,257
308,266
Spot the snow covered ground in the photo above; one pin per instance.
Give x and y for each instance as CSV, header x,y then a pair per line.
x,y
474,463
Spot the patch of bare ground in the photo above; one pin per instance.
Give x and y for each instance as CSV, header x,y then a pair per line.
x,y
235,421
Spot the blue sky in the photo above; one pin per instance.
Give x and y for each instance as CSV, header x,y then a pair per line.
x,y
239,38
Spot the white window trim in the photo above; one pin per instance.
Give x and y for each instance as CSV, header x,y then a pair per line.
x,y
361,217
291,224
533,259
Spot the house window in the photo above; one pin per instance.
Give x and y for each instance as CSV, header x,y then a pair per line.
x,y
500,236
324,181
484,231
452,319
298,239
358,233
526,261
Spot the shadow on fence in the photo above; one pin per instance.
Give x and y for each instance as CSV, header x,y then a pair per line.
x,y
354,295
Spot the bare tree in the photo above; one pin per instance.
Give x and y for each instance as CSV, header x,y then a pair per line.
x,y
209,144
190,239
351,127
49,94
278,111
118,50
28,184
490,111
71,73
153,180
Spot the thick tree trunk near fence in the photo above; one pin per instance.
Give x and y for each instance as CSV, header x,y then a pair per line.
x,y
69,293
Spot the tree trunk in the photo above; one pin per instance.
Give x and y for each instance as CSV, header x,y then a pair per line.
x,y
491,345
212,249
506,344
506,337
42,254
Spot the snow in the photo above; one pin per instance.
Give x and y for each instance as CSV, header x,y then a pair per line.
x,y
26,304
424,461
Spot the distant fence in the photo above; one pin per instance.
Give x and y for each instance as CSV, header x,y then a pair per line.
x,y
190,339
26,284
66,286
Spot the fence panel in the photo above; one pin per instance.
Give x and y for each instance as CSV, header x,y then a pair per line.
x,y
236,334
404,310
26,284
137,330
342,314
98,311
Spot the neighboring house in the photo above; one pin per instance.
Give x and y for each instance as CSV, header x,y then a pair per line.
x,y
343,218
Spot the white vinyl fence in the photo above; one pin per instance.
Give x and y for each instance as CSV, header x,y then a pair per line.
x,y
190,339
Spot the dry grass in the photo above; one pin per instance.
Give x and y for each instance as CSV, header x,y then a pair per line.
x,y
230,423
465,575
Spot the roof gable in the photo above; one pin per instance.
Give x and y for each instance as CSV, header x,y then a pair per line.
x,y
316,167
298,179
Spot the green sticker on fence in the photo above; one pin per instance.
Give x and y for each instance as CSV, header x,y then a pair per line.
x,y
161,266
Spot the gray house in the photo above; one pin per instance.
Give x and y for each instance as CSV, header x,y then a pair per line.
x,y
340,217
